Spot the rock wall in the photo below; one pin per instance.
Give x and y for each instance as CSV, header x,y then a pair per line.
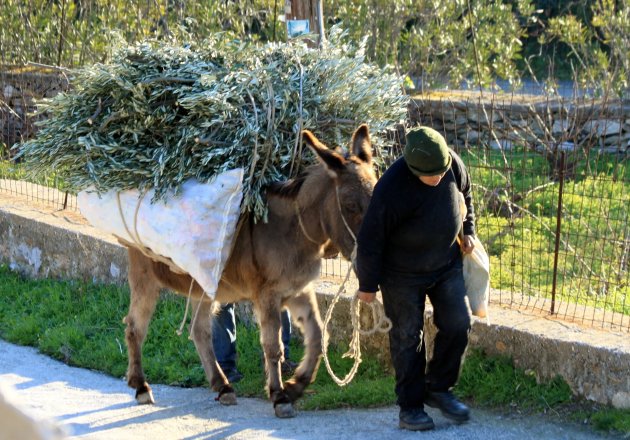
x,y
464,117
20,89
500,120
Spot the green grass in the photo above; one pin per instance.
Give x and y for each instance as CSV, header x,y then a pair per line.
x,y
16,171
479,381
80,324
591,264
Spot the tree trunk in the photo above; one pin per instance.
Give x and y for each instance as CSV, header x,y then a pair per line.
x,y
311,10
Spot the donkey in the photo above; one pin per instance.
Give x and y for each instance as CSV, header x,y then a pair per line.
x,y
272,265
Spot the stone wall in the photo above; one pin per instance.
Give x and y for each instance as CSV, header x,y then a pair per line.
x,y
20,89
501,120
464,117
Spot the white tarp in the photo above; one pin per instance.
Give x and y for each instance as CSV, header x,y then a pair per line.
x,y
194,228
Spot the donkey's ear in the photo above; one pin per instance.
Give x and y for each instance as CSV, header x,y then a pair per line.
x,y
362,144
334,161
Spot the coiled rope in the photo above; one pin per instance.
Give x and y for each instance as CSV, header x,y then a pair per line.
x,y
381,323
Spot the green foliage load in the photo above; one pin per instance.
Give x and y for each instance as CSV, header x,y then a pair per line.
x,y
161,113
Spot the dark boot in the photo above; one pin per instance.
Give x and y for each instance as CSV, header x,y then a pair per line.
x,y
233,375
288,367
415,419
449,405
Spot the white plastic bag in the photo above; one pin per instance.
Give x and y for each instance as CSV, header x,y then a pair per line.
x,y
194,229
476,269
477,279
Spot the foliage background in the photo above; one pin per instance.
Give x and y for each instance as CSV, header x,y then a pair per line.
x,y
436,42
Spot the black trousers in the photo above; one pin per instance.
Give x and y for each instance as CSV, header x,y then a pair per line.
x,y
404,301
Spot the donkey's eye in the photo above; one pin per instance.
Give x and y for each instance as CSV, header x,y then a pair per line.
x,y
353,207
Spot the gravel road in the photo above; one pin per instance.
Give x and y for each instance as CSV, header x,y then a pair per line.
x,y
90,405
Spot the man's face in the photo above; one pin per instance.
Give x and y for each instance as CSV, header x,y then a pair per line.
x,y
431,180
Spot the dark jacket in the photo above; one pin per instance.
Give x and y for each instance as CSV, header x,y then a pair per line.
x,y
410,229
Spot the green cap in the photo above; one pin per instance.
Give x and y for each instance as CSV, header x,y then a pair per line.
x,y
426,152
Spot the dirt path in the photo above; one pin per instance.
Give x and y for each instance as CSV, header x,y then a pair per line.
x,y
90,405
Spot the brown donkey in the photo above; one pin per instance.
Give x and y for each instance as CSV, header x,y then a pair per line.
x,y
272,265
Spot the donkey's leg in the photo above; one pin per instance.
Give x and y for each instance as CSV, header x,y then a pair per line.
x,y
268,312
145,290
202,337
305,313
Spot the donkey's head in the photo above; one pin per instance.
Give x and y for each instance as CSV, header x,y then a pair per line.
x,y
347,183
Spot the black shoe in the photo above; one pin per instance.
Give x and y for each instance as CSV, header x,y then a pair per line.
x,y
448,404
233,375
415,419
288,367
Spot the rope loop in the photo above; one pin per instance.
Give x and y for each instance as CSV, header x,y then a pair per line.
x,y
381,323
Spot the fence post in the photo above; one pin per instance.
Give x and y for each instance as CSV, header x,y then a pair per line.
x,y
558,231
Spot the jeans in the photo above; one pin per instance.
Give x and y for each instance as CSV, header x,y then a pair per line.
x,y
224,336
404,302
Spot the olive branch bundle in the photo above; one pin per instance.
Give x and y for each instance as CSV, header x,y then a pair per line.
x,y
162,112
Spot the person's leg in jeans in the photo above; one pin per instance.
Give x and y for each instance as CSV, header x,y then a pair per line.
x,y
286,332
224,341
288,366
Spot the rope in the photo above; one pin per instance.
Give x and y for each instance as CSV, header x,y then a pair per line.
x,y
297,212
135,236
298,139
181,326
381,322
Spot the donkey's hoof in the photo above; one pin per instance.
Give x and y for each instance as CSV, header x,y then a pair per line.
x,y
227,399
145,397
284,410
226,396
294,388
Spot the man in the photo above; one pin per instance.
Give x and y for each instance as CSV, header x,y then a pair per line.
x,y
224,342
408,247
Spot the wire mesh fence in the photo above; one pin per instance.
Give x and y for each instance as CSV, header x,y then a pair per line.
x,y
551,197
549,164
550,180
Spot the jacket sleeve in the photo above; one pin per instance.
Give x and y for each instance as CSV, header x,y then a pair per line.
x,y
371,242
463,179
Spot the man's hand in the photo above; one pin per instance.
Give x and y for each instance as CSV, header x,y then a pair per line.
x,y
368,297
468,244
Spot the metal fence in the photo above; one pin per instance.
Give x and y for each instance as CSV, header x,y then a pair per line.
x,y
550,179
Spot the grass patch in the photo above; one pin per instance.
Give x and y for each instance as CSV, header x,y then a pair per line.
x,y
616,420
521,245
494,382
17,171
81,324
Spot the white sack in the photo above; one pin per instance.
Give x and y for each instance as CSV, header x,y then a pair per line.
x,y
194,228
476,268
